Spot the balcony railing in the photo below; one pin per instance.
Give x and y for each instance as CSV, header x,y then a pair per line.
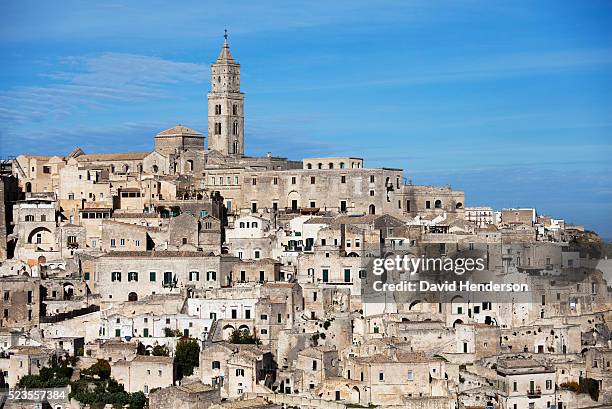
x,y
534,393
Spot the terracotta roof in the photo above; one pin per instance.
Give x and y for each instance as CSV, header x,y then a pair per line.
x,y
179,130
112,156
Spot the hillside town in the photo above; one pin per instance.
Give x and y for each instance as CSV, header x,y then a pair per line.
x,y
194,276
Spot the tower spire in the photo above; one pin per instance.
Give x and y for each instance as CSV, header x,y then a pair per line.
x,y
225,55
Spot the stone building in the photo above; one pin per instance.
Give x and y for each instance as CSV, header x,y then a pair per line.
x,y
144,373
20,302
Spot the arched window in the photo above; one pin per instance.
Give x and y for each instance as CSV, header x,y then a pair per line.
x,y
372,209
155,168
28,187
438,204
218,109
235,146
459,205
331,165
235,130
320,166
309,166
341,165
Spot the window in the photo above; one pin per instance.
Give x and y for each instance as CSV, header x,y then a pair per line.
x,y
263,317
211,276
293,180
218,109
216,365
257,254
29,218
122,242
427,204
314,365
371,193
438,204
235,129
312,180
152,276
343,179
254,207
381,376
194,276
325,275
86,275
343,205
514,387
132,276
116,276
347,275
234,109
548,384
254,181
410,376
275,181
6,295
239,372
371,178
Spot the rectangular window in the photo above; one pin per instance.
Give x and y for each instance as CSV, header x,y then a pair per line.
x,y
548,384
325,275
342,179
347,275
312,180
254,181
113,243
152,276
410,376
293,180
86,275
381,376
275,181
427,204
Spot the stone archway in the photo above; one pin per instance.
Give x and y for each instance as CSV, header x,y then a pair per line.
x,y
132,296
355,395
41,235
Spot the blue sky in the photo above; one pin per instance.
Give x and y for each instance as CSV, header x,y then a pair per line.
x,y
509,101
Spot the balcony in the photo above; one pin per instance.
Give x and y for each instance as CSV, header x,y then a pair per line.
x,y
532,394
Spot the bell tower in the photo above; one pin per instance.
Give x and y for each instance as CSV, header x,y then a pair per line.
x,y
226,105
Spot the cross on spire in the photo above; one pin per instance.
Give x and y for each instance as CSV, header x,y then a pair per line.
x,y
225,35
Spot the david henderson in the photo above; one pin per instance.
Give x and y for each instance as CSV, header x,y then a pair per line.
x,y
449,286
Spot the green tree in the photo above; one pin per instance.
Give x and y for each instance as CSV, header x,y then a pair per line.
x,y
187,356
100,369
160,350
243,336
